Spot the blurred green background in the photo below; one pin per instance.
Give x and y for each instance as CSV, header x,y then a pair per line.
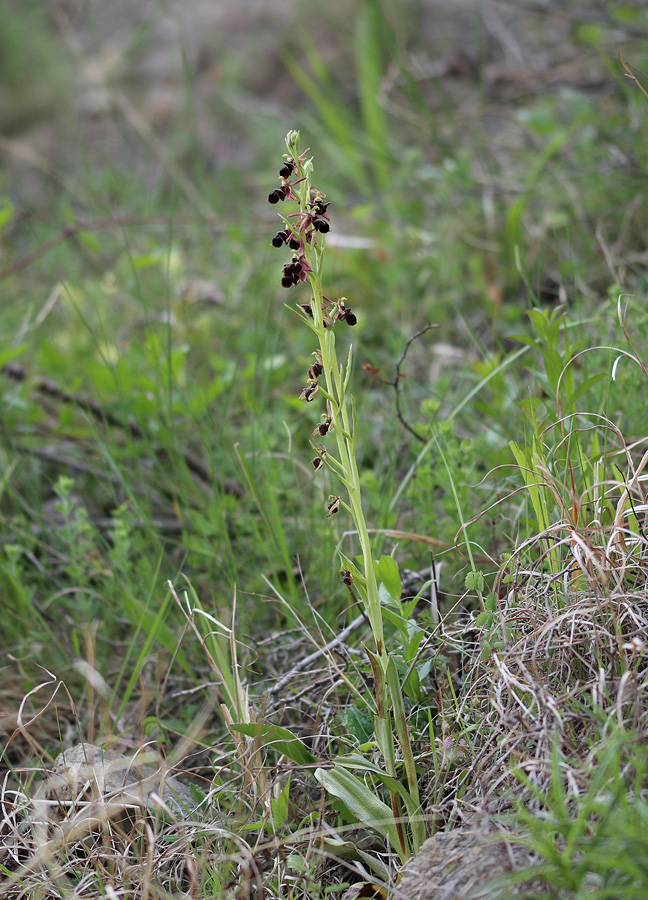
x,y
482,158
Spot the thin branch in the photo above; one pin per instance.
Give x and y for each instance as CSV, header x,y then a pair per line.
x,y
631,74
321,651
397,378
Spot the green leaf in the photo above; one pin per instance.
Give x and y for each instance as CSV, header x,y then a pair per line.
x,y
588,33
416,635
387,572
474,581
359,800
6,212
196,794
412,688
585,386
91,241
400,720
147,260
524,339
279,806
280,739
357,723
355,761
350,850
393,618
554,366
424,670
9,353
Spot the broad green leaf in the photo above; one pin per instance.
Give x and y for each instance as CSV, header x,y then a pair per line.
x,y
280,739
385,741
357,723
582,388
89,240
553,366
395,619
147,260
355,761
387,572
350,850
415,635
359,800
474,581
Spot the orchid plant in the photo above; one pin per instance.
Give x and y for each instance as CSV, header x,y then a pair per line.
x,y
304,235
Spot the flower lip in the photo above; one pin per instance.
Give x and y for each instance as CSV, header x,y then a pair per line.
x,y
280,238
278,194
287,169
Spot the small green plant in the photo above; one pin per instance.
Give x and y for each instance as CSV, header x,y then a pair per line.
x,y
593,844
304,234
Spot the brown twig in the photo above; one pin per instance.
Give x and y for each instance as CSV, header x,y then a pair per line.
x,y
396,382
397,379
631,74
307,661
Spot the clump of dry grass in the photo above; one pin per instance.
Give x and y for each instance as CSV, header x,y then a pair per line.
x,y
563,674
569,661
92,842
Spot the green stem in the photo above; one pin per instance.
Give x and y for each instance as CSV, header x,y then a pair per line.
x,y
336,379
341,426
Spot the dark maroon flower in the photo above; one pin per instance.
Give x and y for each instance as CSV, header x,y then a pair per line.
x,y
280,238
322,225
314,218
279,193
287,169
295,271
286,237
343,312
318,206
